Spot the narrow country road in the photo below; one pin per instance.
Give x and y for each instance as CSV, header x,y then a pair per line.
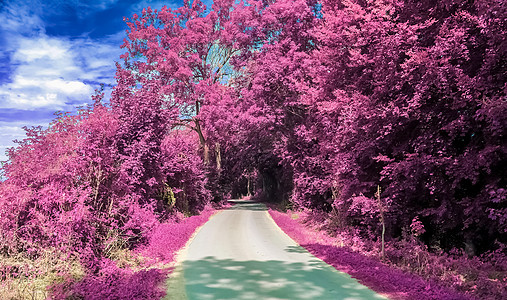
x,y
242,254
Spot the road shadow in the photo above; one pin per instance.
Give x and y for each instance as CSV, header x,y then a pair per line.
x,y
253,206
295,249
380,277
241,201
212,278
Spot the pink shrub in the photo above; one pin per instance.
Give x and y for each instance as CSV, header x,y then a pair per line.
x,y
65,190
184,172
115,283
167,238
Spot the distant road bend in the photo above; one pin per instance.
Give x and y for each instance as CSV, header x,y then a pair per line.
x,y
242,254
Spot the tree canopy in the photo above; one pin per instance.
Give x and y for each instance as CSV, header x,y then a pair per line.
x,y
383,113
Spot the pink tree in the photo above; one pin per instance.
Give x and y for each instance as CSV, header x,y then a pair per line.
x,y
349,95
186,53
401,101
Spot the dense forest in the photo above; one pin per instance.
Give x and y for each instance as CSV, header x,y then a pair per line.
x,y
383,119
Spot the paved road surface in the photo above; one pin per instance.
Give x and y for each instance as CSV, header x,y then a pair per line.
x,y
242,254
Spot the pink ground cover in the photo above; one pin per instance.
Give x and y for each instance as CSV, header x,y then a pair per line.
x,y
381,278
114,282
168,238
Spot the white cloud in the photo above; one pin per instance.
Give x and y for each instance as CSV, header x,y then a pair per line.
x,y
41,48
97,58
54,73
57,73
47,75
21,17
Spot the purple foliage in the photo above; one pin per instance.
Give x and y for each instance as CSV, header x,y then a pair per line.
x,y
345,96
169,237
369,271
115,283
183,169
319,104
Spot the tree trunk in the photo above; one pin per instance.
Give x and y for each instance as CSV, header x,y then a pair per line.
x,y
202,141
218,157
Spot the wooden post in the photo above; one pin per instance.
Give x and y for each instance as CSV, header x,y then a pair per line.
x,y
382,220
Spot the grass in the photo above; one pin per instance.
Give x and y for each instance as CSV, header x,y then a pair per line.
x,y
30,278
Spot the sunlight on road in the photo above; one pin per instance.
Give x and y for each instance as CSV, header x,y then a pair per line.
x,y
241,254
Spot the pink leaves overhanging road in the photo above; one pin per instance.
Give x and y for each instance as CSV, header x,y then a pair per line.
x,y
312,103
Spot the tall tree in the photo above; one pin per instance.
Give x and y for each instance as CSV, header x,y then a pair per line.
x,y
186,53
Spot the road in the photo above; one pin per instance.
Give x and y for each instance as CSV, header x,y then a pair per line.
x,y
241,253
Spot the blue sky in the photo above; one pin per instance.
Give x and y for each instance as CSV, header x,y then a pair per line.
x,y
55,53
